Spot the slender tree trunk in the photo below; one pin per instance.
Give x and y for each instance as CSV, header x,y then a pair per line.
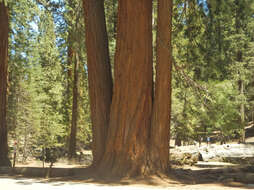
x,y
178,141
69,80
69,91
73,134
159,148
24,157
99,74
242,112
69,63
130,118
4,30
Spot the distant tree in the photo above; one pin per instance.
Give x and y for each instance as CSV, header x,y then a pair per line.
x,y
74,120
75,44
49,94
34,115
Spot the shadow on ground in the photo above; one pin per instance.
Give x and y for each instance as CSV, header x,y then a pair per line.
x,y
234,176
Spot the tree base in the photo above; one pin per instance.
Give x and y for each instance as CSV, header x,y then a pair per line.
x,y
120,167
5,162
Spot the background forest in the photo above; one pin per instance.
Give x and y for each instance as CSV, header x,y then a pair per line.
x,y
212,81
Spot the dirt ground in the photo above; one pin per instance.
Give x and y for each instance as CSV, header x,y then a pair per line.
x,y
207,177
42,184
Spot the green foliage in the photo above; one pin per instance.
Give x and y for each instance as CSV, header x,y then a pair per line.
x,y
75,42
38,107
213,53
111,21
223,111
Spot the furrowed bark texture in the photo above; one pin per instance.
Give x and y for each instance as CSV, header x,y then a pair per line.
x,y
99,73
159,147
130,118
4,30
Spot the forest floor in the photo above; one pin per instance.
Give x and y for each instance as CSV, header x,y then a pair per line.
x,y
42,184
201,176
205,176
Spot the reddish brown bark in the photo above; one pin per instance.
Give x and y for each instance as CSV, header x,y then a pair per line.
x,y
4,30
130,118
138,135
99,73
159,148
74,120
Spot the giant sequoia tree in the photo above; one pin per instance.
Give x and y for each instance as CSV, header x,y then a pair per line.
x,y
4,25
99,78
130,124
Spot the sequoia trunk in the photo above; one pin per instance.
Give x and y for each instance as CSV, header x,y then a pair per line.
x,y
130,118
99,73
159,148
4,30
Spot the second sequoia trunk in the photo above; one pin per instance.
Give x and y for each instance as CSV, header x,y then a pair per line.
x,y
99,73
159,142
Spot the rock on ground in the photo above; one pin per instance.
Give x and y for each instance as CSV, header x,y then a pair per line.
x,y
236,153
